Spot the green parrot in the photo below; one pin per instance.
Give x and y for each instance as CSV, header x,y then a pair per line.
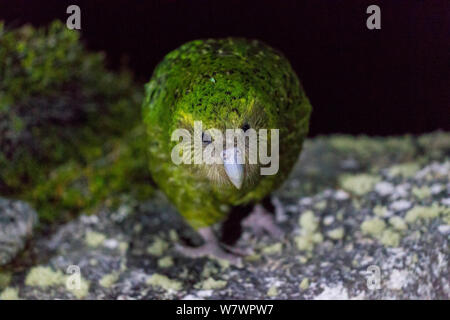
x,y
229,83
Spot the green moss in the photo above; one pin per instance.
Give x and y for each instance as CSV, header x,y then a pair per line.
x,y
372,151
358,184
73,187
64,120
436,144
164,282
406,169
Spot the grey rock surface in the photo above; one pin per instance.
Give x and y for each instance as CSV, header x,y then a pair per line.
x,y
363,218
17,220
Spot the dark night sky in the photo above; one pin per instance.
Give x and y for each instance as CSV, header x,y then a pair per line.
x,y
390,81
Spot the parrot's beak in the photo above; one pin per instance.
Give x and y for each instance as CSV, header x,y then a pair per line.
x,y
233,162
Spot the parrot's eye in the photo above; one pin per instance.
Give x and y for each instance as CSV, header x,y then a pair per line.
x,y
206,138
245,127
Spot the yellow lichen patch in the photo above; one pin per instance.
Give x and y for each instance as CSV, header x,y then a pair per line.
x,y
321,205
81,291
158,247
398,223
108,280
421,193
308,222
389,238
308,232
94,239
406,169
273,291
253,257
380,211
304,284
358,184
373,227
336,234
44,277
302,259
224,264
5,279
209,269
424,213
377,228
307,241
212,284
123,246
273,249
173,235
10,294
159,280
165,262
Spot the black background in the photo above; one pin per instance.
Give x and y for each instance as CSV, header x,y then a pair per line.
x,y
390,81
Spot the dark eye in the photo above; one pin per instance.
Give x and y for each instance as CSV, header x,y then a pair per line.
x,y
206,138
245,127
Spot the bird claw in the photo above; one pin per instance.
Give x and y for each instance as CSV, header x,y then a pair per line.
x,y
261,221
243,252
211,250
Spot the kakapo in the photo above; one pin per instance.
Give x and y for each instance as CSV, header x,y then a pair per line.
x,y
230,83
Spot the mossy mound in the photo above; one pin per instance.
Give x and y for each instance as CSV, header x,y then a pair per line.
x,y
67,124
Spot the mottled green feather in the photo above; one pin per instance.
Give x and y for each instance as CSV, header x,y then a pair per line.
x,y
224,83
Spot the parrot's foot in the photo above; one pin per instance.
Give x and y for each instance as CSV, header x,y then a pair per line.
x,y
211,248
261,221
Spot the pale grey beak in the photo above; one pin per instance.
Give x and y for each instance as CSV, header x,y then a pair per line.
x,y
233,162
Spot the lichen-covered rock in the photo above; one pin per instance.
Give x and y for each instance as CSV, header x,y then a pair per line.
x,y
389,242
63,116
17,220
